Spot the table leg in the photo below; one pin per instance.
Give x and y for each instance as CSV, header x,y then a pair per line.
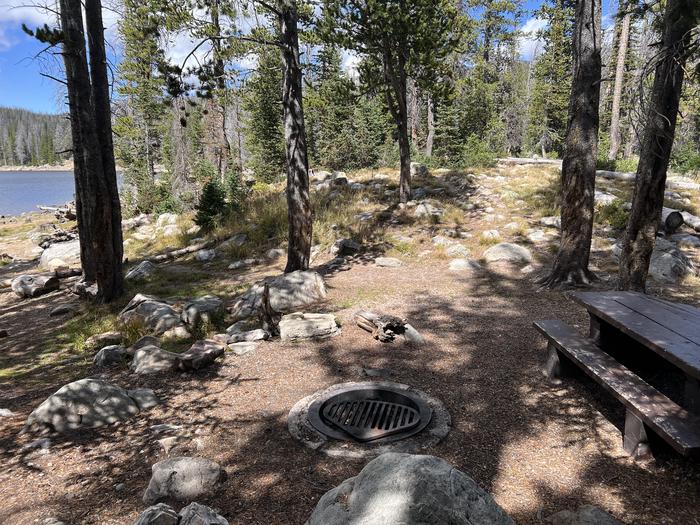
x,y
635,439
594,329
692,394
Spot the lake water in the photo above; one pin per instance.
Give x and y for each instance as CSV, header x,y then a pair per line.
x,y
22,191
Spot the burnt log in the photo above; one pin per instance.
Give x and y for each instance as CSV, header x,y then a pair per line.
x,y
384,328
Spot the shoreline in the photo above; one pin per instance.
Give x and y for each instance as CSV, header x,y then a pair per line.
x,y
42,168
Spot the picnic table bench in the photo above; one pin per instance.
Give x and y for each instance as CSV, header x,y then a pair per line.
x,y
621,322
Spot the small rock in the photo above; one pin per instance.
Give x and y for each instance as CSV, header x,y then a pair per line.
x,y
249,336
104,339
412,336
202,310
551,222
457,250
4,412
196,514
120,487
275,253
439,240
299,326
63,309
110,355
685,240
242,348
508,252
162,428
200,355
205,255
236,241
491,235
160,514
141,272
461,265
153,360
425,209
146,340
343,247
388,262
183,479
536,236
4,333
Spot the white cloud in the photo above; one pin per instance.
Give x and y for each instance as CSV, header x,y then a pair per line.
x,y
6,41
350,62
529,45
19,11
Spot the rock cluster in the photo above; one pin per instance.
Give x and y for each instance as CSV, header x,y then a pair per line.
x,y
183,479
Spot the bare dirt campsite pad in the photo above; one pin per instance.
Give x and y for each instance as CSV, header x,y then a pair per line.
x,y
535,447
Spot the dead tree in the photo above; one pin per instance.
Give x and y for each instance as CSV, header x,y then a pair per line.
x,y
579,164
623,42
680,18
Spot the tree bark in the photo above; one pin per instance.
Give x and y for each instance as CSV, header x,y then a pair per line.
x,y
579,163
108,224
615,138
656,144
298,201
97,200
430,139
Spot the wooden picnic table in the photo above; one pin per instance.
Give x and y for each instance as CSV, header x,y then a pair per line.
x,y
670,330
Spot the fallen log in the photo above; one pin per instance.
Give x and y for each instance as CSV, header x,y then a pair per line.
x,y
524,161
671,220
384,328
173,254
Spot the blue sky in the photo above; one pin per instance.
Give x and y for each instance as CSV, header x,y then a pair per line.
x,y
21,83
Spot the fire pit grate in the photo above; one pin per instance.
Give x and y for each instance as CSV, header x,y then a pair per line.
x,y
370,413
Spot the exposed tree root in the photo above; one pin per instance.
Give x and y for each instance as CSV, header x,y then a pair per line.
x,y
560,278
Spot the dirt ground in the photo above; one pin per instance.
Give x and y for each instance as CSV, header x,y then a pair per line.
x,y
537,448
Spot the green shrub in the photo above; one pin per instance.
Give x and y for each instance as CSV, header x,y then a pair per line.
x,y
623,165
476,154
686,159
212,205
613,214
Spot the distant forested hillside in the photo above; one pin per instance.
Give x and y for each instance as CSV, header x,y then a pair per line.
x,y
30,139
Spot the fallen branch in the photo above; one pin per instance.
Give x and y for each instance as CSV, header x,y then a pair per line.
x,y
384,328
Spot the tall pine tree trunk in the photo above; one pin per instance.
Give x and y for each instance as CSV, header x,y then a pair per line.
x,y
615,135
430,138
97,201
657,140
579,164
298,202
109,251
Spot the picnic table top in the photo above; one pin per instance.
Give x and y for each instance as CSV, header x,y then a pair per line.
x,y
670,329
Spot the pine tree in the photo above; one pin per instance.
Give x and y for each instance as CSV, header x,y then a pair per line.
x,y
550,94
264,132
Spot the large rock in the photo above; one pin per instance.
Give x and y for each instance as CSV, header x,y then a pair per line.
x,y
343,247
202,310
196,514
585,515
183,479
509,252
685,240
160,514
88,403
200,355
668,264
141,272
288,292
153,360
110,355
425,209
405,489
299,326
68,252
34,285
155,315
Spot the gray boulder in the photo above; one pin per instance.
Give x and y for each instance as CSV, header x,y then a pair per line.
x,y
68,252
146,340
551,222
236,241
34,285
152,360
343,247
242,348
160,514
287,293
141,272
509,252
685,240
183,479
110,355
425,209
157,316
457,250
299,326
584,515
88,403
104,339
203,309
464,265
405,489
196,514
249,336
388,262
668,264
205,255
200,355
